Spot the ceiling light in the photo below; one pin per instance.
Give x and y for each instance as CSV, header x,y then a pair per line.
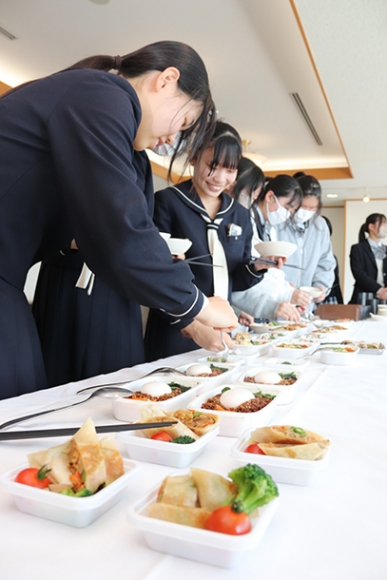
x,y
366,198
257,158
332,195
100,1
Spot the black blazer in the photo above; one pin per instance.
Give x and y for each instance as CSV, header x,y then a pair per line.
x,y
364,270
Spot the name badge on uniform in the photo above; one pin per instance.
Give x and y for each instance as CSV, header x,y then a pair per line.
x,y
233,230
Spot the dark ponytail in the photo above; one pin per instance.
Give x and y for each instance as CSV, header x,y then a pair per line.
x,y
283,186
250,177
374,218
193,82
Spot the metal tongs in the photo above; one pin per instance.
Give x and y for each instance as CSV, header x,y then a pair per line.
x,y
256,260
196,263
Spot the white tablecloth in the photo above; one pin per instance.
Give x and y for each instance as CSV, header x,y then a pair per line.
x,y
334,529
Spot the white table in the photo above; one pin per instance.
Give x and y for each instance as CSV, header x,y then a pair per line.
x,y
334,529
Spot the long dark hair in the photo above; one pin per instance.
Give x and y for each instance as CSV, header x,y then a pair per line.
x,y
310,187
227,147
282,186
374,218
193,82
249,178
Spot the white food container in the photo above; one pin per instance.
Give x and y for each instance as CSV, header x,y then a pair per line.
x,y
287,391
196,544
128,410
282,470
331,357
283,365
293,353
162,452
229,366
256,350
233,424
73,511
234,360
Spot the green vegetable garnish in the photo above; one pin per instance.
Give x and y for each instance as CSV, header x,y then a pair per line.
x,y
83,476
214,368
255,488
183,439
225,389
299,431
286,362
81,493
288,376
196,414
174,386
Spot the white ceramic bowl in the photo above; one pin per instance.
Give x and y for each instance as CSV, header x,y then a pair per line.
x,y
288,391
204,546
331,357
73,511
277,249
162,452
293,353
378,317
312,291
233,424
282,470
178,245
128,410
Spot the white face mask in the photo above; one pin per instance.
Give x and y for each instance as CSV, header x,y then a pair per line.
x,y
382,233
167,150
279,216
303,215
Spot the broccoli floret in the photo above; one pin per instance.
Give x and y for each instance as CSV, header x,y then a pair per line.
x,y
184,439
81,493
255,488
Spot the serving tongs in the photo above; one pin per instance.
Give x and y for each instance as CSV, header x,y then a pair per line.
x,y
256,260
39,434
195,261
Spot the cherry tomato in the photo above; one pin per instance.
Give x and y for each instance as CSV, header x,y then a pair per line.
x,y
254,448
162,436
34,477
227,521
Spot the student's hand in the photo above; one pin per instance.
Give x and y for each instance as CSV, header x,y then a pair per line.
x,y
300,298
287,311
321,297
178,256
382,293
280,262
207,337
245,319
218,314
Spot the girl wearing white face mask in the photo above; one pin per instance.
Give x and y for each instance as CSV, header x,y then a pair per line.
x,y
274,297
309,231
368,258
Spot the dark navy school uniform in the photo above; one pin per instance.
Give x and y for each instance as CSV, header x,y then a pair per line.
x,y
365,270
66,151
179,211
84,335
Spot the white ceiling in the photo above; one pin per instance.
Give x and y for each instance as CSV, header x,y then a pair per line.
x,y
256,56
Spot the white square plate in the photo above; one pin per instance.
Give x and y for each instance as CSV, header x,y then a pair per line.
x,y
282,470
73,511
196,544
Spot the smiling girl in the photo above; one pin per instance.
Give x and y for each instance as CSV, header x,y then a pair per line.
x,y
220,230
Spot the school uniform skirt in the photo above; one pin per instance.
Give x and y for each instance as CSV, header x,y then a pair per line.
x,y
21,362
83,335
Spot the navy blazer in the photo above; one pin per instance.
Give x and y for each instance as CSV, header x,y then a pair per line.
x,y
364,270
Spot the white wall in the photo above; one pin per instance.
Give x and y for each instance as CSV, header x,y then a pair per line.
x,y
336,217
356,212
